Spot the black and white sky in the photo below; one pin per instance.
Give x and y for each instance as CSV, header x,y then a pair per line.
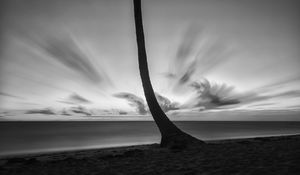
x,y
80,56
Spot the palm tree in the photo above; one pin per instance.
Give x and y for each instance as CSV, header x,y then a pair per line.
x,y
171,135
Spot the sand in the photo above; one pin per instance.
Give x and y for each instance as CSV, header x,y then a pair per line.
x,y
268,155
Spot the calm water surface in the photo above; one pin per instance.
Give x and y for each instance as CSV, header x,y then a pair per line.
x,y
25,137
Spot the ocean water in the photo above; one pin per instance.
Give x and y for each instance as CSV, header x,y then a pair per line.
x,y
30,137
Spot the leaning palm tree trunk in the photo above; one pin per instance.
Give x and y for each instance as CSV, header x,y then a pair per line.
x,y
171,135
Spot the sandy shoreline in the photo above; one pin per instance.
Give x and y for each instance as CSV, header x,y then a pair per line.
x,y
263,155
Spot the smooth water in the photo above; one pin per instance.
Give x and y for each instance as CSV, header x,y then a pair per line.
x,y
26,137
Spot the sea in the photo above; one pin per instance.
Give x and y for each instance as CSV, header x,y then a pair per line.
x,y
37,137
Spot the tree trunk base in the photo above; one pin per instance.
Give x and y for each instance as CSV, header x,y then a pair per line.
x,y
180,141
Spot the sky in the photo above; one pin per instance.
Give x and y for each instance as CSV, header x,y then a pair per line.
x,y
67,59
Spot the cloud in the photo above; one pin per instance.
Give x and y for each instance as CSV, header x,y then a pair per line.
x,y
166,104
183,65
251,97
207,96
187,44
211,95
291,93
81,110
70,55
134,101
123,113
67,52
64,112
76,110
66,102
40,111
140,105
280,83
197,54
10,95
78,99
74,98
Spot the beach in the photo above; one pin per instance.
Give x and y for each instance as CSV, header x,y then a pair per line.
x,y
261,155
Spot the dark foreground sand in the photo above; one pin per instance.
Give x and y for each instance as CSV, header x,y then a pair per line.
x,y
270,155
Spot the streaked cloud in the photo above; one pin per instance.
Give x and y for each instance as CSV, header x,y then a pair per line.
x,y
196,55
53,48
140,105
81,110
10,95
41,111
65,50
211,95
137,102
165,103
77,98
74,99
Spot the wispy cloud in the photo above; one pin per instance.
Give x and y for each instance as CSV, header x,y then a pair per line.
x,y
10,95
252,97
140,105
78,99
165,103
81,110
74,98
69,54
40,111
196,55
134,101
211,95
65,50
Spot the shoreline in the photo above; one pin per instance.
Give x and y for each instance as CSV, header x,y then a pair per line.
x,y
276,154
